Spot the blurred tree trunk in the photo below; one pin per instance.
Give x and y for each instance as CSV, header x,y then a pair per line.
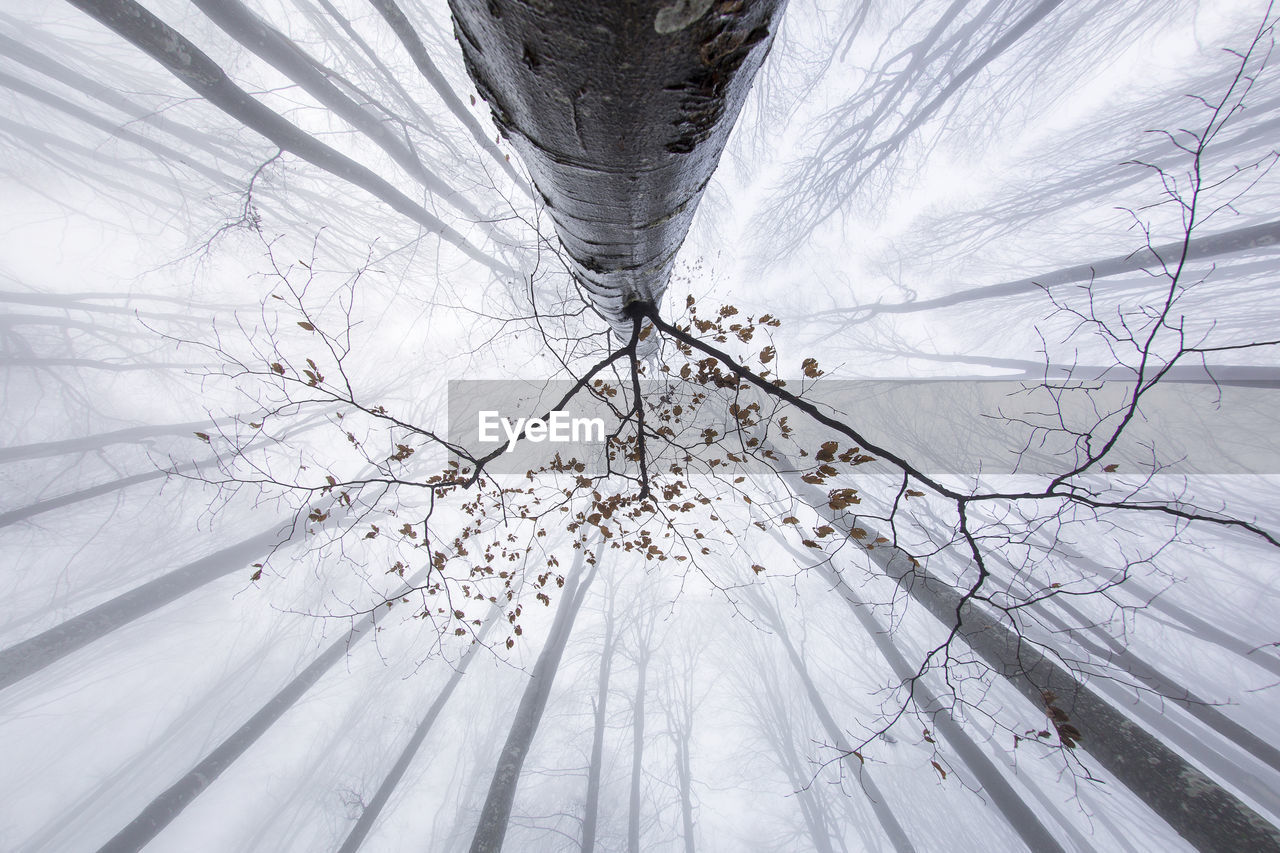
x,y
164,809
637,746
207,79
1194,805
1011,806
853,762
591,811
496,812
371,812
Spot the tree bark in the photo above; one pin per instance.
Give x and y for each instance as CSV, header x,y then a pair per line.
x,y
620,112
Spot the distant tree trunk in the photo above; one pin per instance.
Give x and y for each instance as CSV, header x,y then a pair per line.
x,y
371,812
1226,242
620,112
243,25
32,655
496,812
1181,619
591,809
29,656
857,770
30,511
165,152
162,811
776,725
637,751
28,55
679,695
1108,648
404,31
85,444
684,772
200,73
1003,796
1196,807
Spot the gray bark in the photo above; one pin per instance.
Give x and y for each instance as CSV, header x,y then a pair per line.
x,y
1107,647
620,112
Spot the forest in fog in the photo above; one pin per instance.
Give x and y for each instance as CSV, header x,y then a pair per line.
x,y
932,344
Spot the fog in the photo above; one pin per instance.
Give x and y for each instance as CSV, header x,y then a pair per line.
x,y
265,586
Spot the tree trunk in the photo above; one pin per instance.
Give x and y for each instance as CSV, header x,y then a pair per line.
x,y
408,37
857,770
32,655
86,444
637,752
496,812
1010,805
371,812
162,811
620,112
591,809
685,772
1198,248
195,69
1196,807
239,22
777,727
